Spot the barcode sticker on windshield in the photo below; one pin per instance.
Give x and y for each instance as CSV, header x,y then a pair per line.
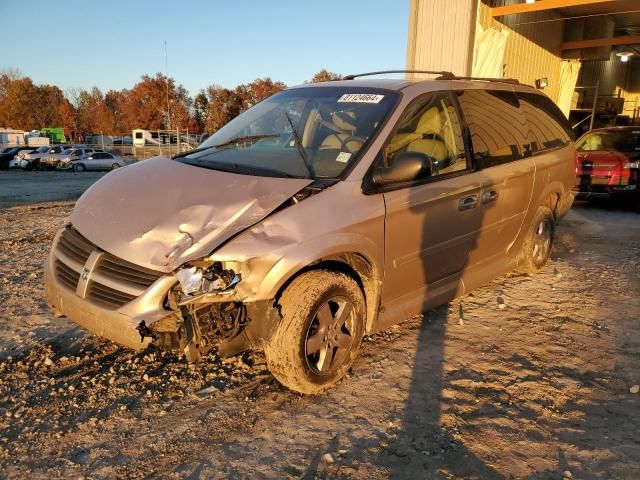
x,y
360,98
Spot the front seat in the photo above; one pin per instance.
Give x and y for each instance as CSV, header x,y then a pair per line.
x,y
429,132
343,125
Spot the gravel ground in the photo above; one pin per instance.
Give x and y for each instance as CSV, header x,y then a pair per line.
x,y
534,382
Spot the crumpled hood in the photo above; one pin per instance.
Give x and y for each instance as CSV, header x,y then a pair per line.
x,y
160,213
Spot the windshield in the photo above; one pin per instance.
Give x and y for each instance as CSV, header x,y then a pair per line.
x,y
617,141
42,149
311,132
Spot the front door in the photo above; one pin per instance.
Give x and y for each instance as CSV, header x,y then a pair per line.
x,y
430,226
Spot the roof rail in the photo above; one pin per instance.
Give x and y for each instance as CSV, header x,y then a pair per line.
x,y
443,74
489,79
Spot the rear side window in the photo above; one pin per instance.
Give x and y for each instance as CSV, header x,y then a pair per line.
x,y
548,127
497,127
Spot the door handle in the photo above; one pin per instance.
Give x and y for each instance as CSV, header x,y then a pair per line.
x,y
467,203
490,196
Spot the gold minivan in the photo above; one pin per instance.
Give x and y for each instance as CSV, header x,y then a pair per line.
x,y
322,214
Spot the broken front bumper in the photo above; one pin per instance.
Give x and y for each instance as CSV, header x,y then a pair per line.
x,y
108,324
118,325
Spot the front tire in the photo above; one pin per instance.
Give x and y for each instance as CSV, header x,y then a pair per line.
x,y
78,167
114,166
318,338
538,242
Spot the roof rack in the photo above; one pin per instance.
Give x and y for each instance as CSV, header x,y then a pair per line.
x,y
489,79
443,75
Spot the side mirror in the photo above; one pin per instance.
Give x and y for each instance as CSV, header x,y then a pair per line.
x,y
406,167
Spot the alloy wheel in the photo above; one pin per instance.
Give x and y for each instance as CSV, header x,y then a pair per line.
x,y
542,241
330,337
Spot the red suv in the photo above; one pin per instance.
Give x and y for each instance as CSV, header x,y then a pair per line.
x,y
608,164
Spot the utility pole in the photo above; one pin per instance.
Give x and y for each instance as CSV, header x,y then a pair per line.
x,y
166,78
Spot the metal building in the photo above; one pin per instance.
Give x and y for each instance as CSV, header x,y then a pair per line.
x,y
584,54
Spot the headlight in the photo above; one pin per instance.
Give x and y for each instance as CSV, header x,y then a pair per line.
x,y
635,164
198,281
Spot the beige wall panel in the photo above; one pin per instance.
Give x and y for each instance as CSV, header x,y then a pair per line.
x,y
534,45
441,35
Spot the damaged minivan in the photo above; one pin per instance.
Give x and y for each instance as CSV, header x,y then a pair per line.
x,y
324,213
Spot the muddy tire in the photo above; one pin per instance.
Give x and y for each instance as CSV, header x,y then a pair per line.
x,y
538,242
319,335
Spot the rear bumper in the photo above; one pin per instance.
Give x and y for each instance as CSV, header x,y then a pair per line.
x,y
628,192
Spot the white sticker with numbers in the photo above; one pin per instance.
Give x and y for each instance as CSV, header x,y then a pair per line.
x,y
360,98
343,157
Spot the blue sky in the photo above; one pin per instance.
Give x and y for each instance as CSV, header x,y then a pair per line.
x,y
85,43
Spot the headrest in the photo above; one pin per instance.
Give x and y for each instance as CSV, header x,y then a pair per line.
x,y
345,121
430,122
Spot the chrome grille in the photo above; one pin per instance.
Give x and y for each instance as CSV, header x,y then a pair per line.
x,y
111,282
75,246
122,271
66,276
107,297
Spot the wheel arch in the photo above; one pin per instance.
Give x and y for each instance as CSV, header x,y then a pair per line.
x,y
354,265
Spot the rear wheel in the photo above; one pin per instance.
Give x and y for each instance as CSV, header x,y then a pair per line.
x,y
78,167
538,242
320,333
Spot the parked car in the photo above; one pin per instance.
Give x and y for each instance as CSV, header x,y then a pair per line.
x,y
54,155
7,154
322,214
30,160
608,165
52,160
65,161
97,160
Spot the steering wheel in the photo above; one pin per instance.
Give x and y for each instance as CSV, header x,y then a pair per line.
x,y
346,140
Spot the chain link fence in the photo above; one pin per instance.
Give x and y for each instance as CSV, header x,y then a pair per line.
x,y
142,144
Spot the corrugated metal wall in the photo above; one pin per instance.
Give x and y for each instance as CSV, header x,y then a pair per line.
x,y
534,44
616,78
441,35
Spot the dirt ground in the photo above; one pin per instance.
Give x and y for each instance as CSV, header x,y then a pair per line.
x,y
534,382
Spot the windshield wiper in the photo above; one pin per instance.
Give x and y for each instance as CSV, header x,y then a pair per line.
x,y
300,147
233,141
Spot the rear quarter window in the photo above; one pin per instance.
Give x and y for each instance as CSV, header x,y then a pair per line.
x,y
548,127
497,127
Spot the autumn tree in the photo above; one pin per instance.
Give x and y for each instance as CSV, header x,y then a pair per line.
x,y
259,90
115,100
217,106
68,117
325,76
223,106
146,105
26,106
200,107
80,112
